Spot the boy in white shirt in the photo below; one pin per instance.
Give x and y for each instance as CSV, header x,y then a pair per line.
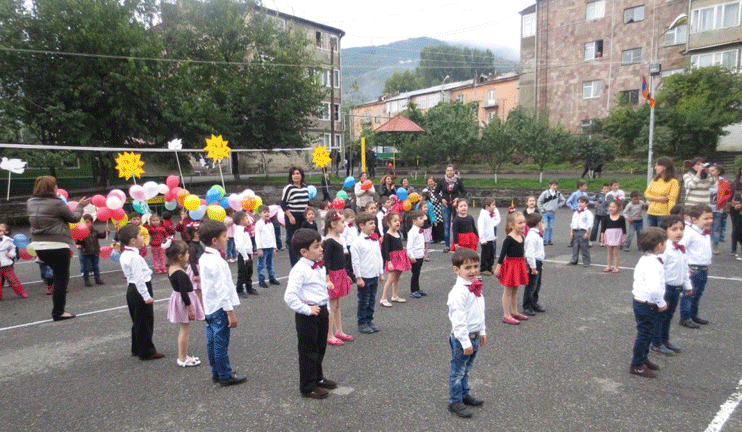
x,y
306,294
468,330
368,266
265,243
139,293
698,249
220,298
243,246
534,251
416,251
582,223
385,203
349,236
649,298
487,223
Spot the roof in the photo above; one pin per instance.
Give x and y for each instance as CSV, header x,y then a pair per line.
x,y
325,27
529,10
400,123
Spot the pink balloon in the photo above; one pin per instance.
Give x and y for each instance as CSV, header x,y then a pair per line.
x,y
203,202
170,195
80,231
136,192
72,205
118,214
63,193
172,182
104,213
235,202
105,251
99,201
117,193
25,255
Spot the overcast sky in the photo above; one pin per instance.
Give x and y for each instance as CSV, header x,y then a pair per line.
x,y
381,22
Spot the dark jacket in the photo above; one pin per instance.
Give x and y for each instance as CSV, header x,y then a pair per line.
x,y
49,219
90,245
456,191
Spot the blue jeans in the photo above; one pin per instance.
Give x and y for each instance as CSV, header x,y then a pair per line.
x,y
458,380
646,315
723,228
277,231
654,221
548,219
719,219
689,304
266,261
89,265
662,325
638,226
217,344
367,300
231,249
446,211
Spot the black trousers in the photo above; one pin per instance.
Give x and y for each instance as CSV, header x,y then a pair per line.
x,y
59,261
599,219
244,273
488,257
349,267
143,319
311,331
736,228
415,280
530,294
290,230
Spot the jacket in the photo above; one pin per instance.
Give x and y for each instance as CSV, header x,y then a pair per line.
x,y
90,245
49,218
450,193
7,247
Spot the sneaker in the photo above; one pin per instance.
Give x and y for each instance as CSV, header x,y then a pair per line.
x,y
274,282
372,326
734,253
189,362
318,393
717,251
699,321
529,312
690,324
538,308
460,410
263,284
242,294
88,284
641,371
100,281
234,379
385,303
651,366
422,293
415,294
252,291
738,257
472,401
445,250
672,346
662,349
365,329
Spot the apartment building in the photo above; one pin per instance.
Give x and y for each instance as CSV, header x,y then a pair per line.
x,y
494,95
715,33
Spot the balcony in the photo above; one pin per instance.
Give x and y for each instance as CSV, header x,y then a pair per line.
x,y
490,103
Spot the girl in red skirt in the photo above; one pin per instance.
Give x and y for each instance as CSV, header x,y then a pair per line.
x,y
395,258
463,229
511,268
334,258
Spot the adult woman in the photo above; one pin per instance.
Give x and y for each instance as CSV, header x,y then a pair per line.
x,y
720,196
387,187
662,192
294,201
50,233
450,189
698,183
735,212
363,197
435,201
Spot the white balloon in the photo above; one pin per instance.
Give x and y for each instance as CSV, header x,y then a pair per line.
x,y
114,203
90,209
249,193
162,189
151,189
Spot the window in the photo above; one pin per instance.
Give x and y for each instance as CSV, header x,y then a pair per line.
x,y
727,59
377,119
528,26
631,56
326,140
460,98
591,89
338,141
634,14
586,126
334,43
491,97
715,17
336,78
491,115
318,38
676,36
667,73
325,111
630,97
595,10
366,117
593,50
337,112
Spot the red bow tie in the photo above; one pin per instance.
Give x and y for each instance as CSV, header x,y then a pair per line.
x,y
541,233
492,214
679,247
660,260
266,221
421,230
350,225
373,236
476,288
706,232
247,229
318,264
580,211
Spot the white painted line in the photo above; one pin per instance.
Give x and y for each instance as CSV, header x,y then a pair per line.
x,y
726,410
632,268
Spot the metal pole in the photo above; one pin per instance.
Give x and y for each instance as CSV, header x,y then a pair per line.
x,y
182,179
8,197
651,130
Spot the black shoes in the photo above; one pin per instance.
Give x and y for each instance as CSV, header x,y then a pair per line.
x,y
529,312
642,370
472,401
318,393
651,366
327,384
263,284
234,379
155,356
372,326
274,282
242,294
460,410
699,321
252,291
64,316
99,282
538,308
88,284
690,324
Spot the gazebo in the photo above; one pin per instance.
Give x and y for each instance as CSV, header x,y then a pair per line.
x,y
399,124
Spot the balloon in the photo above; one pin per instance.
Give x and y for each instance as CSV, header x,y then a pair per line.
x,y
30,249
248,193
277,211
89,209
258,202
406,205
136,192
21,241
235,202
202,201
221,191
414,197
338,203
169,196
390,165
401,193
117,193
367,185
162,189
224,203
248,203
198,214
191,202
63,193
62,198
342,194
140,207
212,196
114,203
216,212
99,201
182,195
115,256
171,205
118,223
312,191
349,182
72,205
106,251
104,213
151,189
119,214
80,231
172,181
25,255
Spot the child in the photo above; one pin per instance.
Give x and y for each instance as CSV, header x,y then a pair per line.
x,y
579,233
385,203
334,256
468,330
572,201
511,268
265,243
195,250
167,221
616,194
309,216
633,215
158,234
530,206
90,249
427,225
395,258
135,219
534,251
229,223
463,228
487,222
7,256
243,245
47,274
612,235
324,209
277,230
416,251
184,223
184,306
697,242
548,203
348,236
220,298
601,210
368,266
649,293
306,295
677,280
139,293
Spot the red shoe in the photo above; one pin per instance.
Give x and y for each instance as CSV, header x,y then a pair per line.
x,y
344,337
49,290
335,342
520,316
511,321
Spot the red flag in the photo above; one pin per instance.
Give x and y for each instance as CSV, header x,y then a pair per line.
x,y
645,88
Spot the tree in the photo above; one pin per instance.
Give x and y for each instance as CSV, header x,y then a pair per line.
x,y
593,148
451,133
541,142
497,144
401,82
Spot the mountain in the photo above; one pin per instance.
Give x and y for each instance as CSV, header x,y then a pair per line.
x,y
370,66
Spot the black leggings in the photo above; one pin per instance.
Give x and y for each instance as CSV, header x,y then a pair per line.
x,y
59,261
290,229
736,229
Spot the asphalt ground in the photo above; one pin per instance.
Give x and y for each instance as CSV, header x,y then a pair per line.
x,y
564,370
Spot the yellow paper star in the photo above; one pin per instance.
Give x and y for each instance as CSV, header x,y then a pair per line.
x,y
216,148
320,156
129,164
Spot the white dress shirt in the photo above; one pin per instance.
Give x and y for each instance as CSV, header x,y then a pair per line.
x,y
380,220
582,220
265,234
415,243
697,246
136,270
676,267
242,242
366,257
466,312
349,235
534,247
486,225
217,288
649,280
306,287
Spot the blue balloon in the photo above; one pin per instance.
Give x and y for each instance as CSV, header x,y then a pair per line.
x,y
171,205
349,182
213,196
402,194
21,241
224,203
115,255
140,207
312,191
198,214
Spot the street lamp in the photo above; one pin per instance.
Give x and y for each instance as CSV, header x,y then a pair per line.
x,y
443,82
655,68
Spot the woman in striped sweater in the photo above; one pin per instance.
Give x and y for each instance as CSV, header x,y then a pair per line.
x,y
294,201
697,183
